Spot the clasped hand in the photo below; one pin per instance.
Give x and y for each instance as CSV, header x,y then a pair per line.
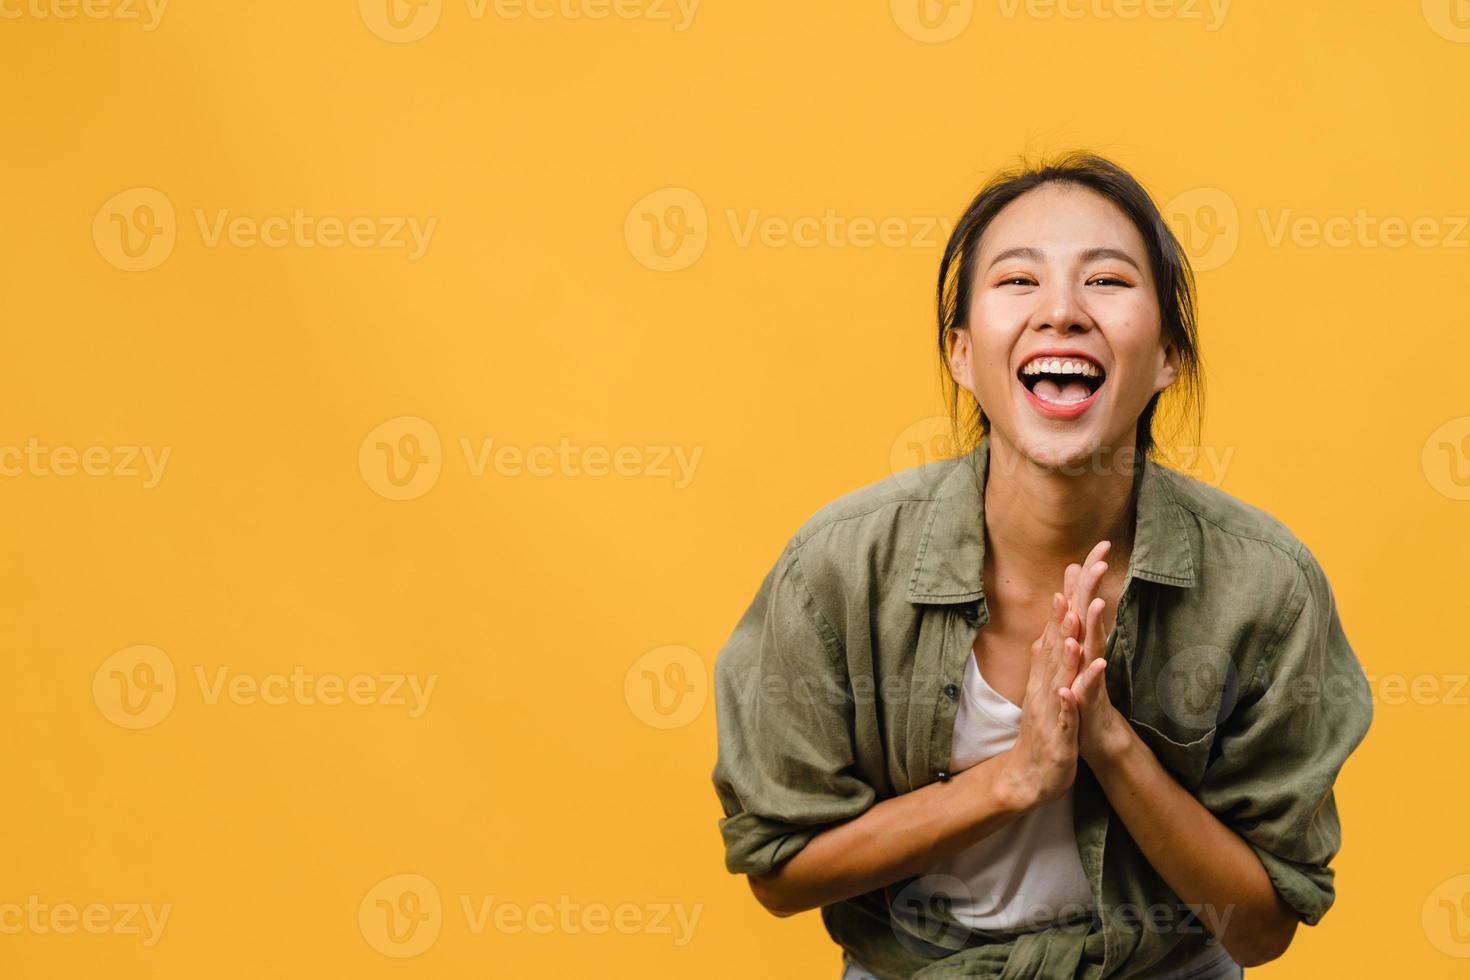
x,y
1066,711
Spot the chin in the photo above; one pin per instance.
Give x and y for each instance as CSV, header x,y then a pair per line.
x,y
1072,454
1078,450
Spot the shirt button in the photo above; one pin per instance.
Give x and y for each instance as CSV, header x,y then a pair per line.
x,y
951,691
942,775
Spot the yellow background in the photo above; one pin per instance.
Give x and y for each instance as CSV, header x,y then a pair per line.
x,y
542,772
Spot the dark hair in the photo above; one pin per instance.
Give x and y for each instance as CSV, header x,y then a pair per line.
x,y
1173,278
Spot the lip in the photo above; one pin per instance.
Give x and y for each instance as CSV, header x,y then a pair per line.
x,y
1048,409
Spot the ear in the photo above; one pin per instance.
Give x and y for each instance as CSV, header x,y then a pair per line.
x,y
1168,367
960,352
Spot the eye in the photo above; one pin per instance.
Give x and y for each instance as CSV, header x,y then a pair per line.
x,y
1106,280
1018,279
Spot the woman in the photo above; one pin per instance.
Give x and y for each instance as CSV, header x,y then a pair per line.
x,y
1050,708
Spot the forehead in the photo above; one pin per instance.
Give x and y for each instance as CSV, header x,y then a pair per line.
x,y
1060,219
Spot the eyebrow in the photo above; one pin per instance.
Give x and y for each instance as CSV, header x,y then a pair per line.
x,y
1087,255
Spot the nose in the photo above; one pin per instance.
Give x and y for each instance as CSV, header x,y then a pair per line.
x,y
1062,309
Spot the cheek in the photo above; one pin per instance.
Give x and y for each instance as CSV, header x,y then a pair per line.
x,y
988,361
1138,366
991,340
1134,336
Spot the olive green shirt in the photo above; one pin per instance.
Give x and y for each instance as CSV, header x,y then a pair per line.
x,y
839,688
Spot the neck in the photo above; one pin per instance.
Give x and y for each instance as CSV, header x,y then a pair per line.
x,y
1039,520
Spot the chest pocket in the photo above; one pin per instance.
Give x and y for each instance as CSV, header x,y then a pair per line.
x,y
1178,700
1186,760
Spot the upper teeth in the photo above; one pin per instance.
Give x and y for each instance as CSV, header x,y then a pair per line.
x,y
1061,365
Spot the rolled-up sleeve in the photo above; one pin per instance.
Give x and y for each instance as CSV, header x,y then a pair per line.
x,y
784,711
1305,706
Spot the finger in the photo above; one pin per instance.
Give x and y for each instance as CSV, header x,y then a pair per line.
x,y
1070,630
1093,639
1054,650
1098,552
1089,689
1058,620
1092,574
1069,580
1087,587
1073,623
1066,711
1069,661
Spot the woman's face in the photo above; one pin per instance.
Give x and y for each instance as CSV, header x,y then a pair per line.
x,y
1063,347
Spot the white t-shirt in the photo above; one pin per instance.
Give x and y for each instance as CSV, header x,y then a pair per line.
x,y
1027,874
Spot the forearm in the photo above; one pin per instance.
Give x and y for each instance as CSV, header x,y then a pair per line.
x,y
895,839
1210,867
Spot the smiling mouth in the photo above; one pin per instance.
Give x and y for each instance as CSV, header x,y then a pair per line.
x,y
1061,387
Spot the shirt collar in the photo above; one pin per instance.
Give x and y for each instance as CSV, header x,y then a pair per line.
x,y
951,554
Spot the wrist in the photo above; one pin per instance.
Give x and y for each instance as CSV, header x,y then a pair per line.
x,y
1113,742
1013,791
